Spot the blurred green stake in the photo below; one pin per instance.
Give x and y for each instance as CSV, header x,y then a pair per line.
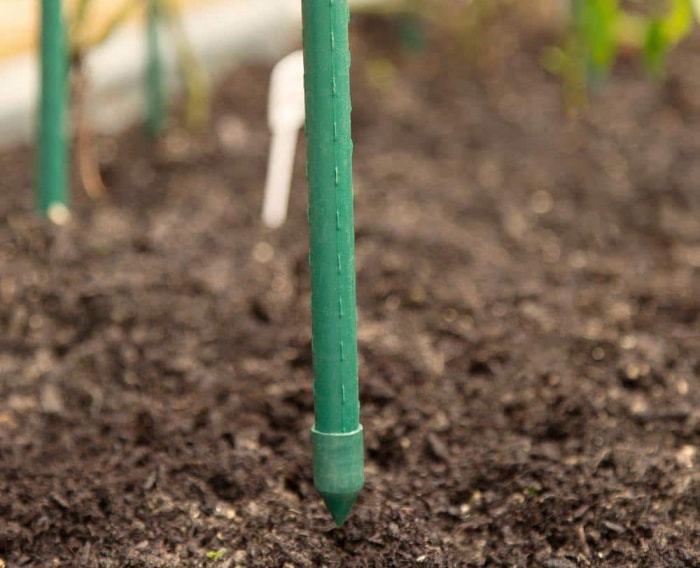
x,y
337,434
52,192
154,71
412,33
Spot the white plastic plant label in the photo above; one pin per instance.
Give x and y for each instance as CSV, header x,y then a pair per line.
x,y
286,116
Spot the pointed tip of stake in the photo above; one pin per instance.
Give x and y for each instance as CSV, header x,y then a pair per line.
x,y
339,505
338,470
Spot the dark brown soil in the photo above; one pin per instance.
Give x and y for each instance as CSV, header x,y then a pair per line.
x,y
529,301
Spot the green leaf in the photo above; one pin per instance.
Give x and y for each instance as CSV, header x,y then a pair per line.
x,y
595,24
679,21
216,555
655,49
664,33
601,18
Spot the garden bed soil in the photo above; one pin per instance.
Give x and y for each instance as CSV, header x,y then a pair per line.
x,y
529,336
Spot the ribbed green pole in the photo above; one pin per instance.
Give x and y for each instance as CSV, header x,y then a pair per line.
x,y
154,82
52,156
337,434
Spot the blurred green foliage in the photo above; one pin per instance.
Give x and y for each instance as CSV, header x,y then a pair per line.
x,y
463,18
601,29
593,22
596,33
82,38
665,31
197,108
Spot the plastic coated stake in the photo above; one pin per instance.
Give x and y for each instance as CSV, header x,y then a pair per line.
x,y
154,73
52,155
337,434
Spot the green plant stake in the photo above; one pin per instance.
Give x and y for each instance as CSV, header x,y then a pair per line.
x,y
412,33
154,84
52,194
337,434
